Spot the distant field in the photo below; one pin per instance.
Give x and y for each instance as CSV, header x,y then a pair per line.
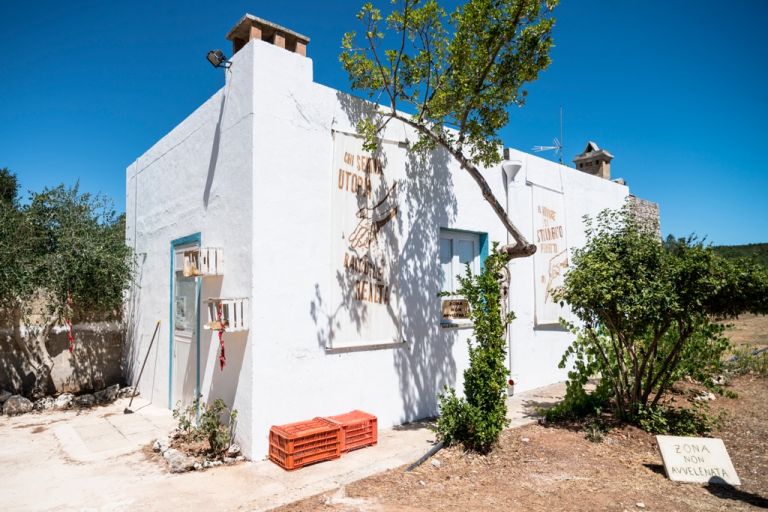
x,y
749,330
757,251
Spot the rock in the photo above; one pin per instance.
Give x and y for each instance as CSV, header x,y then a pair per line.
x,y
17,404
86,400
526,439
705,397
4,396
198,466
640,504
436,463
107,395
177,461
233,450
216,463
63,401
229,460
126,392
207,464
239,458
44,404
161,445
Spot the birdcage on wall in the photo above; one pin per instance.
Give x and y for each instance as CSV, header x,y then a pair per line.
x,y
203,261
227,314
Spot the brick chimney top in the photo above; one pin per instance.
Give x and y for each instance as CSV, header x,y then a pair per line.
x,y
594,161
251,27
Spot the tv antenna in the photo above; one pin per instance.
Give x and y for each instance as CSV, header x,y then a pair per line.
x,y
557,144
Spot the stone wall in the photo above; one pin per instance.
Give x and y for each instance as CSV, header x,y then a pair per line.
x,y
647,213
95,363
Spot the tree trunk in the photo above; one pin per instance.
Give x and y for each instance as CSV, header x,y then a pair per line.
x,y
34,350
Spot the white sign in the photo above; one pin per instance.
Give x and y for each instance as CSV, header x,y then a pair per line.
x,y
365,210
551,259
697,460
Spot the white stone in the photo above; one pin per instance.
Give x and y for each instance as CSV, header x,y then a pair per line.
x,y
436,463
17,404
63,401
697,460
161,445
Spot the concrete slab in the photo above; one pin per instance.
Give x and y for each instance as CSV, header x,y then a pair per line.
x,y
523,408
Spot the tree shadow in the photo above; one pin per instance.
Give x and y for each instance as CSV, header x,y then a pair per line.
x,y
424,362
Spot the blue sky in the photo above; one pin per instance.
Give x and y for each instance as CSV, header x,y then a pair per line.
x,y
676,90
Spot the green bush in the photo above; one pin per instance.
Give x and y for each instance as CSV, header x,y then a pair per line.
x,y
477,419
209,425
647,312
694,421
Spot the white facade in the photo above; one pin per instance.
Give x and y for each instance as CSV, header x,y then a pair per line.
x,y
252,172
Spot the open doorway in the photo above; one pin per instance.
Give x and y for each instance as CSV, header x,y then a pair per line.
x,y
184,364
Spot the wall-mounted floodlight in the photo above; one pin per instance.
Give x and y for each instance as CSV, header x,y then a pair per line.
x,y
218,59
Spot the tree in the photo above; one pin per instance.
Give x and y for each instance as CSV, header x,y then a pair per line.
x,y
458,74
62,256
478,419
648,309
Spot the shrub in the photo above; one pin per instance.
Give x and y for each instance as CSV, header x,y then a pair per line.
x,y
647,310
477,419
694,421
209,425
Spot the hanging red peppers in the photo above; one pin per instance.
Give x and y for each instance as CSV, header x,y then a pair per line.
x,y
220,319
70,336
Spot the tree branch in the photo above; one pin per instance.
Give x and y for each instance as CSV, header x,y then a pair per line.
x,y
522,248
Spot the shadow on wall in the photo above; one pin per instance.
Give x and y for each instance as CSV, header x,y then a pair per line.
x,y
95,363
137,341
223,382
425,363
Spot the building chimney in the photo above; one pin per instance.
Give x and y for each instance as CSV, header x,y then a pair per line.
x,y
594,161
250,27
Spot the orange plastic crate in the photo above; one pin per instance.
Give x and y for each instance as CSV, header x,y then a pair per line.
x,y
296,445
359,428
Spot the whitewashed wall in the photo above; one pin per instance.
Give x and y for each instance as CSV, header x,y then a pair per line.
x,y
198,178
261,190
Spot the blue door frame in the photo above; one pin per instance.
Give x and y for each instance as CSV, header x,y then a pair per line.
x,y
179,242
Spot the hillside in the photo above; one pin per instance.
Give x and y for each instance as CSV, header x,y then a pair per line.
x,y
758,251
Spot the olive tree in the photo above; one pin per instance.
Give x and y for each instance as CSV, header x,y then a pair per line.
x,y
62,256
455,74
648,310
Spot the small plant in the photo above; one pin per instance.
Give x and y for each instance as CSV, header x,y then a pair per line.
x,y
694,421
477,419
209,425
596,428
747,360
185,416
219,435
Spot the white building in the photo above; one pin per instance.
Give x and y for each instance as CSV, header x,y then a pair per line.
x,y
335,257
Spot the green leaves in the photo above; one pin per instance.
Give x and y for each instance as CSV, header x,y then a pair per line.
x,y
63,244
647,309
462,70
478,419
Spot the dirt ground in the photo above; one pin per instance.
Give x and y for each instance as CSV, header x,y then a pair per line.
x,y
540,468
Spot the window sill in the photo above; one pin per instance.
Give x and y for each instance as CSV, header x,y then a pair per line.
x,y
456,324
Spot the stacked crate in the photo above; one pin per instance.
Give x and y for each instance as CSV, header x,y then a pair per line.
x,y
299,444
296,445
359,429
